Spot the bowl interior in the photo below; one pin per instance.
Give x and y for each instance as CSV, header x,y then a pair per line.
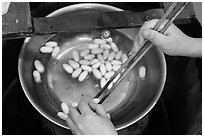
x,y
126,106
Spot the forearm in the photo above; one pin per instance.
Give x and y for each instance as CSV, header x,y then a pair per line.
x,y
194,48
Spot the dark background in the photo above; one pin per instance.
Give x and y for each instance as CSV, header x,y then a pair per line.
x,y
178,111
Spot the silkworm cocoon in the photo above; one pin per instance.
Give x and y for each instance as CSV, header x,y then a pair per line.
x,y
55,51
73,64
96,100
100,57
76,73
96,65
36,76
103,69
105,46
74,104
84,52
67,68
142,72
89,56
93,46
102,82
118,55
87,68
99,41
116,62
97,51
75,55
93,61
115,67
97,73
105,54
109,74
114,47
39,66
46,49
62,115
82,76
124,58
51,44
111,56
84,62
108,66
65,108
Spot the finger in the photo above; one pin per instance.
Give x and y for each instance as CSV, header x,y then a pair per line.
x,y
150,24
84,108
75,133
147,25
139,40
136,46
74,114
72,126
155,37
98,108
70,123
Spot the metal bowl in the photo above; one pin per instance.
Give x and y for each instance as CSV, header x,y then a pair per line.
x,y
130,101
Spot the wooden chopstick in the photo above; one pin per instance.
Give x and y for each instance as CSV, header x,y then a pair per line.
x,y
136,56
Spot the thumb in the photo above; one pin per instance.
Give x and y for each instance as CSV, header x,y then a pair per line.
x,y
98,108
155,37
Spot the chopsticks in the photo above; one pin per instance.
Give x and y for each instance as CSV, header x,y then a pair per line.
x,y
136,56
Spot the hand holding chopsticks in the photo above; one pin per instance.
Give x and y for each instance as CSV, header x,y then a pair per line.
x,y
136,56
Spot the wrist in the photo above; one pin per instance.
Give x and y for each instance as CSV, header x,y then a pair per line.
x,y
194,47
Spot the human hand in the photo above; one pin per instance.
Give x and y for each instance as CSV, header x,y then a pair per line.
x,y
5,7
90,119
173,42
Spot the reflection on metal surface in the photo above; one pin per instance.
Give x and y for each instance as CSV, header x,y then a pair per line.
x,y
138,101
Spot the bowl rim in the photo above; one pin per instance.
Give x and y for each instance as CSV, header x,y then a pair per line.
x,y
79,6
